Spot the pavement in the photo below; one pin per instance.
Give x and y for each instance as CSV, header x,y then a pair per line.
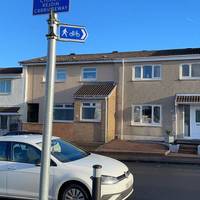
x,y
144,151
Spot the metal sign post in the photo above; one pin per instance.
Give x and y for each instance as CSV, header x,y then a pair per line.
x,y
49,99
76,34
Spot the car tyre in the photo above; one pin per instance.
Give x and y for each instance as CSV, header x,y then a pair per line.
x,y
75,191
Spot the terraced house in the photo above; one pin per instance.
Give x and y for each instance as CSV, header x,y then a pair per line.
x,y
11,99
130,95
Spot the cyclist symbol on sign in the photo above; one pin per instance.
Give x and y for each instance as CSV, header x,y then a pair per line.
x,y
74,34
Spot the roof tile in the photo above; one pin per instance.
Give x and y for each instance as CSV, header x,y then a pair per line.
x,y
95,90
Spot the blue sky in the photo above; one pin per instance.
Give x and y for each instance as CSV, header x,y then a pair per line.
x,y
126,25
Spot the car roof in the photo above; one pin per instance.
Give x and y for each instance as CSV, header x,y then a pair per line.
x,y
31,139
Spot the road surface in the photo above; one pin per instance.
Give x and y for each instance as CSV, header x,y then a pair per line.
x,y
165,181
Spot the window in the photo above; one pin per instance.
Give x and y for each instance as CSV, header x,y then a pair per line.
x,y
138,72
33,112
63,112
190,71
137,110
5,86
147,72
91,111
197,116
195,70
65,152
61,75
25,153
3,151
185,70
89,74
146,115
156,72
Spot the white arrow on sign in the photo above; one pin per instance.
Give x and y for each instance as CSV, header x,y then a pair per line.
x,y
84,34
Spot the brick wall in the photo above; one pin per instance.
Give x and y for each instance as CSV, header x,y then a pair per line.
x,y
83,132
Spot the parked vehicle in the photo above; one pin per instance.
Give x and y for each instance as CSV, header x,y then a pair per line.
x,y
70,171
21,133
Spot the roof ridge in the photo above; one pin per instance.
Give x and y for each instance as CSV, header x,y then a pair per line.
x,y
116,55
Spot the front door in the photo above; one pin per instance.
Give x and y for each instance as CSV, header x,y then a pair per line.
x,y
3,124
195,122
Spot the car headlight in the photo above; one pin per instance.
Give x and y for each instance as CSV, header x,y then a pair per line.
x,y
108,180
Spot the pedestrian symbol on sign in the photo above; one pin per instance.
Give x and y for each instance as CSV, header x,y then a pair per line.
x,y
64,33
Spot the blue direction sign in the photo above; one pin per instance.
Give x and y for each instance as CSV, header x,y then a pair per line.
x,y
72,33
45,6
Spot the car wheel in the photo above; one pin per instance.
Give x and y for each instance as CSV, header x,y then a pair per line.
x,y
75,192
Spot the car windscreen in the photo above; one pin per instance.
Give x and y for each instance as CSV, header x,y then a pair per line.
x,y
65,152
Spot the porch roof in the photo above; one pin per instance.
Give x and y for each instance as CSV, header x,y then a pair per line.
x,y
187,98
9,109
95,90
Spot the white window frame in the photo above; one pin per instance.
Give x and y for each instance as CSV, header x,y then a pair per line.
x,y
91,106
63,107
6,93
56,80
88,79
181,77
133,123
63,70
142,70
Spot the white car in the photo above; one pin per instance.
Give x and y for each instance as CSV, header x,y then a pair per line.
x,y
70,172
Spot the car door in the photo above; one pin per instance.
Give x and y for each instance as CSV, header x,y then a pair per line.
x,y
23,175
3,167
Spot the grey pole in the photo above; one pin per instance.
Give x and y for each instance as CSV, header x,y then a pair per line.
x,y
96,182
49,99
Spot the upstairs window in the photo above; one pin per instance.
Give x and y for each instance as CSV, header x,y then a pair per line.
x,y
63,112
61,74
190,71
146,72
5,86
89,74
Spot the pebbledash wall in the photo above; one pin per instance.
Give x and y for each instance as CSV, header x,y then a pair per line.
x,y
118,67
156,92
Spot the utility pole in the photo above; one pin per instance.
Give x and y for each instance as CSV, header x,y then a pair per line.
x,y
49,101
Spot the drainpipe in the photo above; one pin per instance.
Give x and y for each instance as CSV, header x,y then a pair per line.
x,y
122,102
176,118
25,91
106,120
